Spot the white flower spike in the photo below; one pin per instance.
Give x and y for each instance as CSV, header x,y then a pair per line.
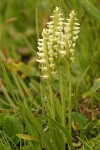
x,y
58,41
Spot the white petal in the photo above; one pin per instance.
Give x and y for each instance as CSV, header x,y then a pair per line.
x,y
40,48
76,32
71,50
40,40
41,54
50,23
76,28
73,44
44,76
53,72
41,60
51,59
44,68
52,65
69,43
72,59
74,38
77,24
62,52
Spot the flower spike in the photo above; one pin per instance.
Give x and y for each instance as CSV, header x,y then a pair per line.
x,y
58,41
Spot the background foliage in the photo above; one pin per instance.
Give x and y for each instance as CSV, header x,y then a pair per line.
x,y
21,24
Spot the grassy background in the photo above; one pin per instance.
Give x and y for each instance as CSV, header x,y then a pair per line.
x,y
21,24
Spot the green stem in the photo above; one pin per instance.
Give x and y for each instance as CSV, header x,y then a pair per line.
x,y
51,100
63,115
63,104
45,98
69,102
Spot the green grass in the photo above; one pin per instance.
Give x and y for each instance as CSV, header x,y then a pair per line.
x,y
22,102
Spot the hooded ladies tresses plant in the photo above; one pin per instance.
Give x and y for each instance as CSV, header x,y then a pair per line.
x,y
56,53
58,42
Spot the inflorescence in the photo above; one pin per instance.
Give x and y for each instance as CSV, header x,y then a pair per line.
x,y
58,42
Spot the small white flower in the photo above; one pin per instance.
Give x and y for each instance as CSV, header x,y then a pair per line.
x,y
52,66
75,37
76,28
44,76
41,60
41,54
72,59
76,24
74,44
72,50
76,32
62,52
44,68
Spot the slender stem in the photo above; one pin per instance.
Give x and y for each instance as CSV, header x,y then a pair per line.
x,y
51,100
63,105
63,115
69,102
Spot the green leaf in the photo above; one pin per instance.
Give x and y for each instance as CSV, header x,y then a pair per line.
x,y
2,146
79,119
27,137
65,131
89,145
11,127
97,142
94,88
59,138
92,144
92,127
91,8
26,148
33,123
8,82
2,118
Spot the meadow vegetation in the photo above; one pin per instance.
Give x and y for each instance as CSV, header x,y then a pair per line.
x,y
50,75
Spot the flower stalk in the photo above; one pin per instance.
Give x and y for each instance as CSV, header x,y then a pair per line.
x,y
56,53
